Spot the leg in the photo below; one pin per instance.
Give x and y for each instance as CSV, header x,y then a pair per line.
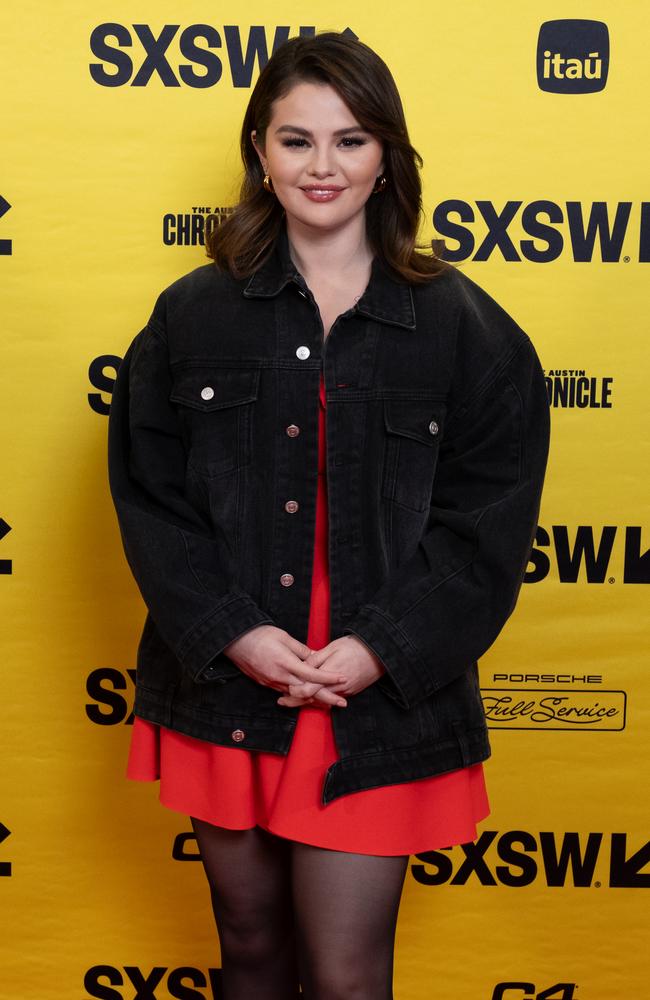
x,y
346,908
249,872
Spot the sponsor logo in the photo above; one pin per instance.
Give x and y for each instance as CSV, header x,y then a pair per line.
x,y
182,983
547,678
591,551
186,847
572,387
556,859
583,232
99,379
543,709
6,247
572,56
528,991
5,866
192,228
138,54
6,565
109,707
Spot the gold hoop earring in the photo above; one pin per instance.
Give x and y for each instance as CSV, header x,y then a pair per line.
x,y
268,184
382,184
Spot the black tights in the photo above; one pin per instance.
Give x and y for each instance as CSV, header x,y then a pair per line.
x,y
288,913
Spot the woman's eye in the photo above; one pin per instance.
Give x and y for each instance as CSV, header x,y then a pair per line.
x,y
351,140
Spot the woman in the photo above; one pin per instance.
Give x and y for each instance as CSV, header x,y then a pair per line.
x,y
326,453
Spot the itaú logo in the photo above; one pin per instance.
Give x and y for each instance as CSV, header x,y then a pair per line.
x,y
572,56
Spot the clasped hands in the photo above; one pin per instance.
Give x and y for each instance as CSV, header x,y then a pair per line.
x,y
272,657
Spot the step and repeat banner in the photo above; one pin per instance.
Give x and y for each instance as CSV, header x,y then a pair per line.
x,y
120,131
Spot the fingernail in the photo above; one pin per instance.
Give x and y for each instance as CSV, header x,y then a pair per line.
x,y
342,704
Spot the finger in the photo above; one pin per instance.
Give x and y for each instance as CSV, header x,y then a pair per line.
x,y
318,656
329,698
303,690
297,647
326,696
304,672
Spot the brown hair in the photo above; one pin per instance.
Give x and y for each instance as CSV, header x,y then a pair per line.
x,y
363,81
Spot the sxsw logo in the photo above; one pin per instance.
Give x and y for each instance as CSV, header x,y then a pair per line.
x,y
572,56
5,564
5,245
518,858
135,982
5,866
591,552
543,230
176,56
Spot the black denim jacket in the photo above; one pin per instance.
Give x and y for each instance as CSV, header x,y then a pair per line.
x,y
437,438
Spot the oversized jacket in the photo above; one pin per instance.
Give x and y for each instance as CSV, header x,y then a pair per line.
x,y
438,429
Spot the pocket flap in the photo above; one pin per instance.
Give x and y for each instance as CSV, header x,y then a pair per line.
x,y
419,419
205,388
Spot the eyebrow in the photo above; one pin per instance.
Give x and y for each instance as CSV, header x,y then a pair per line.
x,y
304,131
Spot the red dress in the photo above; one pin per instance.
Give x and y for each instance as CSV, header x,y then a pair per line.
x,y
239,789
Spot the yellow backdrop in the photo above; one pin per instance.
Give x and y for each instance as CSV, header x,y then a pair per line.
x,y
120,144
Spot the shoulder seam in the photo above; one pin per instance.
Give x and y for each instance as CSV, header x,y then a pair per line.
x,y
491,376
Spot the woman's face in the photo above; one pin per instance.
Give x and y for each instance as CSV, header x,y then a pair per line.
x,y
322,164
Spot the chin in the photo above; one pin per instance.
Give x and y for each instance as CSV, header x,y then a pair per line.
x,y
317,220
322,216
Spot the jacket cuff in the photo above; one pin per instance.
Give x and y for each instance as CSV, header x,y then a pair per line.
x,y
402,662
198,648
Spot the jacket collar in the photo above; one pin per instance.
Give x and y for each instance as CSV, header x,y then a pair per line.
x,y
385,299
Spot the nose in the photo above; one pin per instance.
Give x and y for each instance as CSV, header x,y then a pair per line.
x,y
321,162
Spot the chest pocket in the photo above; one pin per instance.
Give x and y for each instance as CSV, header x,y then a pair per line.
x,y
413,433
216,408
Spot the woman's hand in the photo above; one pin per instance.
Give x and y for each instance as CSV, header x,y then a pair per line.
x,y
273,658
347,656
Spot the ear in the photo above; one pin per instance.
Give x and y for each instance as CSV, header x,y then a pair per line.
x,y
258,150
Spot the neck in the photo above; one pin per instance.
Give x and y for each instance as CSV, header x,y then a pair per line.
x,y
331,252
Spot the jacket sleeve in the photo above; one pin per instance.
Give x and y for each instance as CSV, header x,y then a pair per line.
x,y
169,546
448,601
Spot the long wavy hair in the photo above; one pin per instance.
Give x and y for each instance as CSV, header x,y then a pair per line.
x,y
242,243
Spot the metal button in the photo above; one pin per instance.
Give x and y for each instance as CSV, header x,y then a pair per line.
x,y
238,735
303,352
286,579
293,430
207,393
433,427
291,506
